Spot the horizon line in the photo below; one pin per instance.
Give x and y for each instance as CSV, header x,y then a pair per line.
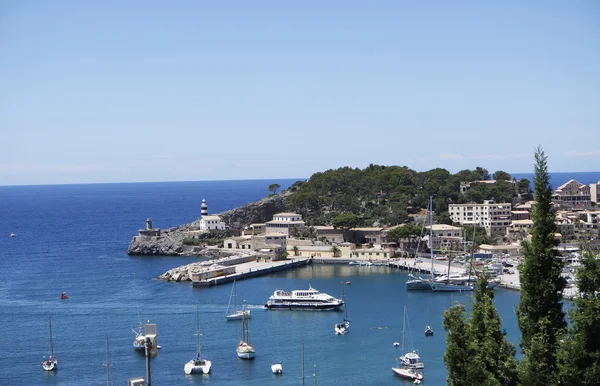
x,y
215,180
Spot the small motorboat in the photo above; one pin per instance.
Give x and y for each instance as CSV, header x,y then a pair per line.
x,y
276,368
64,296
428,331
12,235
348,283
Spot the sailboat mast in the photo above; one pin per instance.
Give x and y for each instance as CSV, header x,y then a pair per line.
x,y
403,328
431,232
51,346
302,356
198,333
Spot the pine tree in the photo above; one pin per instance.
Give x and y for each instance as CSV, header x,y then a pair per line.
x,y
580,354
540,311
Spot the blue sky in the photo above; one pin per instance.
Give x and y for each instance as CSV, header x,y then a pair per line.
x,y
186,90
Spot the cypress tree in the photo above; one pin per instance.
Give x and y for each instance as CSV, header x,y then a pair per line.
x,y
540,311
496,353
477,351
580,354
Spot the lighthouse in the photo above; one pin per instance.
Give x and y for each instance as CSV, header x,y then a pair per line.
x,y
203,208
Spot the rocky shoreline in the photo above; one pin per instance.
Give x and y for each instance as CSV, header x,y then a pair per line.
x,y
185,272
170,242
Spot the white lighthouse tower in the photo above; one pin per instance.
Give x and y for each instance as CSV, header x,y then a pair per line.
x,y
204,208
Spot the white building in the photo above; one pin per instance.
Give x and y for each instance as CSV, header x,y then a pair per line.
x,y
494,217
210,222
573,194
445,236
285,223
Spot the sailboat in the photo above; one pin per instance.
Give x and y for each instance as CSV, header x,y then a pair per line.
x,y
51,363
428,329
235,314
139,342
411,358
343,327
197,365
406,372
419,283
244,348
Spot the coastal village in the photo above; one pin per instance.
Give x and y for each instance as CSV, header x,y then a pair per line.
x,y
286,241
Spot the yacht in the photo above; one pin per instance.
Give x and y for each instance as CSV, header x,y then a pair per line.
x,y
309,299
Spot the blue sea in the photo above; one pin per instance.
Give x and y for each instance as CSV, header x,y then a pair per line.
x,y
74,238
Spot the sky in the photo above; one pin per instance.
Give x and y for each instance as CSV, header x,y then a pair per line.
x,y
128,91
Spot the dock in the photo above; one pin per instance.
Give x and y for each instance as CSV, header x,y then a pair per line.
x,y
252,269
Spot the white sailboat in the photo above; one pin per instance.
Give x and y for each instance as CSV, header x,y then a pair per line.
x,y
419,283
197,365
343,327
235,314
406,372
50,364
244,349
410,358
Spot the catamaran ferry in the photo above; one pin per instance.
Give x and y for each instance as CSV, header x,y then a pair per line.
x,y
309,299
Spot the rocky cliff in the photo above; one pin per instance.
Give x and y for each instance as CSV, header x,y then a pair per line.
x,y
256,212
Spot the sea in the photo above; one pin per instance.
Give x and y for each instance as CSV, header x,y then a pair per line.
x,y
74,238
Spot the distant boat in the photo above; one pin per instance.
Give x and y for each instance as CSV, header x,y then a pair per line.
x,y
235,314
139,342
64,296
343,327
276,368
51,364
244,349
428,329
12,235
197,365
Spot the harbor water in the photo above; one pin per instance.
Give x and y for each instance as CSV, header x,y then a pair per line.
x,y
74,238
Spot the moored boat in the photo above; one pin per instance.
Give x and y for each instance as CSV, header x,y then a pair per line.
x,y
309,299
276,368
50,364
197,365
245,350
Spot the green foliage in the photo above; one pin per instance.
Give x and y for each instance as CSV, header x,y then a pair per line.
x,y
501,175
273,188
383,195
524,186
192,241
478,352
336,251
410,232
345,221
579,356
481,236
539,313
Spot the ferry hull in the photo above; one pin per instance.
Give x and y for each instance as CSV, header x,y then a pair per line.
x,y
302,307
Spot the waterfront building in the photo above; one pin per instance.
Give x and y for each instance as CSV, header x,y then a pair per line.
x,y
372,236
269,242
493,217
573,194
371,253
445,237
333,235
285,223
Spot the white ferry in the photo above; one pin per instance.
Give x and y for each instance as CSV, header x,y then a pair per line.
x,y
309,299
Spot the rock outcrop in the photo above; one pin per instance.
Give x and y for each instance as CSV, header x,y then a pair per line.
x,y
171,241
256,212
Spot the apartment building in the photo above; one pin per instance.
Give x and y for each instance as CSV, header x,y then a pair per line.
x,y
573,194
445,237
494,217
285,223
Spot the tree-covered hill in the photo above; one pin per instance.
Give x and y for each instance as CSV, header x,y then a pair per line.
x,y
388,195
